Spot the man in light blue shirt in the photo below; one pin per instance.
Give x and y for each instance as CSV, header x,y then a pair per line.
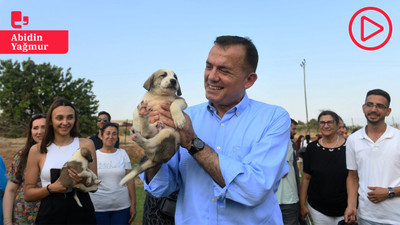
x,y
233,148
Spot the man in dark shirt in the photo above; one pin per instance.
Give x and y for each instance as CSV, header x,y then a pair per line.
x,y
102,118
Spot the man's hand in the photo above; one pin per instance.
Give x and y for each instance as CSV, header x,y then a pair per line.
x,y
187,133
377,194
350,215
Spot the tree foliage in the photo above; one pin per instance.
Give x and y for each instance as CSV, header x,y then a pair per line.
x,y
27,88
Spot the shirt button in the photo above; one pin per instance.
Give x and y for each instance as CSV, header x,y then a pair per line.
x,y
218,148
213,199
222,124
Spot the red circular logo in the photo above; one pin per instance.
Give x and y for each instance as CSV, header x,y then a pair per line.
x,y
364,18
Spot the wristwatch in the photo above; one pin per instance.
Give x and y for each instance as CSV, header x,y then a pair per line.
x,y
391,193
197,145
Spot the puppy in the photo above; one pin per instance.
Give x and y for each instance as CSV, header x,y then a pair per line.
x,y
79,161
158,141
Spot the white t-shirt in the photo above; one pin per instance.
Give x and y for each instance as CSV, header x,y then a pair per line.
x,y
377,164
111,169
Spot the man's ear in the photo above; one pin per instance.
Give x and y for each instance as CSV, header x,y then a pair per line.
x,y
250,80
389,110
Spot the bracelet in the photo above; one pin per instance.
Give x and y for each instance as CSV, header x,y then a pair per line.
x,y
48,189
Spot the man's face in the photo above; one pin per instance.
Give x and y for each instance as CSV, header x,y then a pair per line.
x,y
225,79
101,120
292,130
376,109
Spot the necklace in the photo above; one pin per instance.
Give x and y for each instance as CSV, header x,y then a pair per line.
x,y
330,149
59,146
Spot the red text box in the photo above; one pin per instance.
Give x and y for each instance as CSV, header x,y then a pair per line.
x,y
33,41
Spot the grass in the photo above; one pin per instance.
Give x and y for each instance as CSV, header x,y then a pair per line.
x,y
140,197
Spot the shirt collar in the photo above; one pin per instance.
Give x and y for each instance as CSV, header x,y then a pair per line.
x,y
389,132
236,110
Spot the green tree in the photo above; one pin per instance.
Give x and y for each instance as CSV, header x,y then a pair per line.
x,y
27,88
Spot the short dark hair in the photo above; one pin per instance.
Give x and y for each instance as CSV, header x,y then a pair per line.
x,y
109,125
293,121
251,56
105,113
379,92
334,115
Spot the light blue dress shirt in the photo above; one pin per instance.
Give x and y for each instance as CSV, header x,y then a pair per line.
x,y
251,141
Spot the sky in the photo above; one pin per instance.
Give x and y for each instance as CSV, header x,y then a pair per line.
x,y
118,44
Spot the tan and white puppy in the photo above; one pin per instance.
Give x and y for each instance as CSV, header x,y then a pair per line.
x,y
79,161
158,141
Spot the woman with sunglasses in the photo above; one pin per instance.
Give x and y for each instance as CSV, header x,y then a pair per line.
x,y
16,210
60,141
324,174
114,204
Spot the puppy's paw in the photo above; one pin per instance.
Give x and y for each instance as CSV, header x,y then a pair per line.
x,y
160,125
139,139
143,109
179,120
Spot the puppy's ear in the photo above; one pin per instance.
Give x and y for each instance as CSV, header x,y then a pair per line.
x,y
149,82
179,91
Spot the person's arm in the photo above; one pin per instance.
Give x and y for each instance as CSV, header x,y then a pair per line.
x,y
250,179
8,201
352,195
31,192
303,195
132,196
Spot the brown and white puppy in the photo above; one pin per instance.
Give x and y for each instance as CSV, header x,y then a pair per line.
x,y
79,161
158,141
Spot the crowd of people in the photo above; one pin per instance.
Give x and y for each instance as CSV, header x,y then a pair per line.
x,y
238,162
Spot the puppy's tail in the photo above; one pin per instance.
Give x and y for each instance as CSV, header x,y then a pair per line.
x,y
77,199
139,169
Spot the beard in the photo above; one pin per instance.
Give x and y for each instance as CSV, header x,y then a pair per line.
x,y
375,121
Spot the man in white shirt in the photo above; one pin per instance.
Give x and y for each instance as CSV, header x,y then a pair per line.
x,y
288,191
373,161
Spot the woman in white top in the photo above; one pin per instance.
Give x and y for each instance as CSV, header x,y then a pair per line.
x,y
60,141
114,204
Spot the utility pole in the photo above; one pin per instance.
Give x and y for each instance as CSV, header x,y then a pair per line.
x,y
303,64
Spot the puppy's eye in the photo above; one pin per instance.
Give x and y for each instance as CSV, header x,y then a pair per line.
x,y
163,75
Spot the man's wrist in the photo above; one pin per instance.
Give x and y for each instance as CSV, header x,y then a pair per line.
x,y
196,146
391,193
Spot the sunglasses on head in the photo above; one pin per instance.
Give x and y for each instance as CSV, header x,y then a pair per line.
x,y
38,116
104,120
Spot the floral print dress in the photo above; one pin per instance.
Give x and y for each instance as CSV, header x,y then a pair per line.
x,y
23,212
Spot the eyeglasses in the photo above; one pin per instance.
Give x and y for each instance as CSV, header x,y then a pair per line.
x,y
379,106
329,123
38,116
104,120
